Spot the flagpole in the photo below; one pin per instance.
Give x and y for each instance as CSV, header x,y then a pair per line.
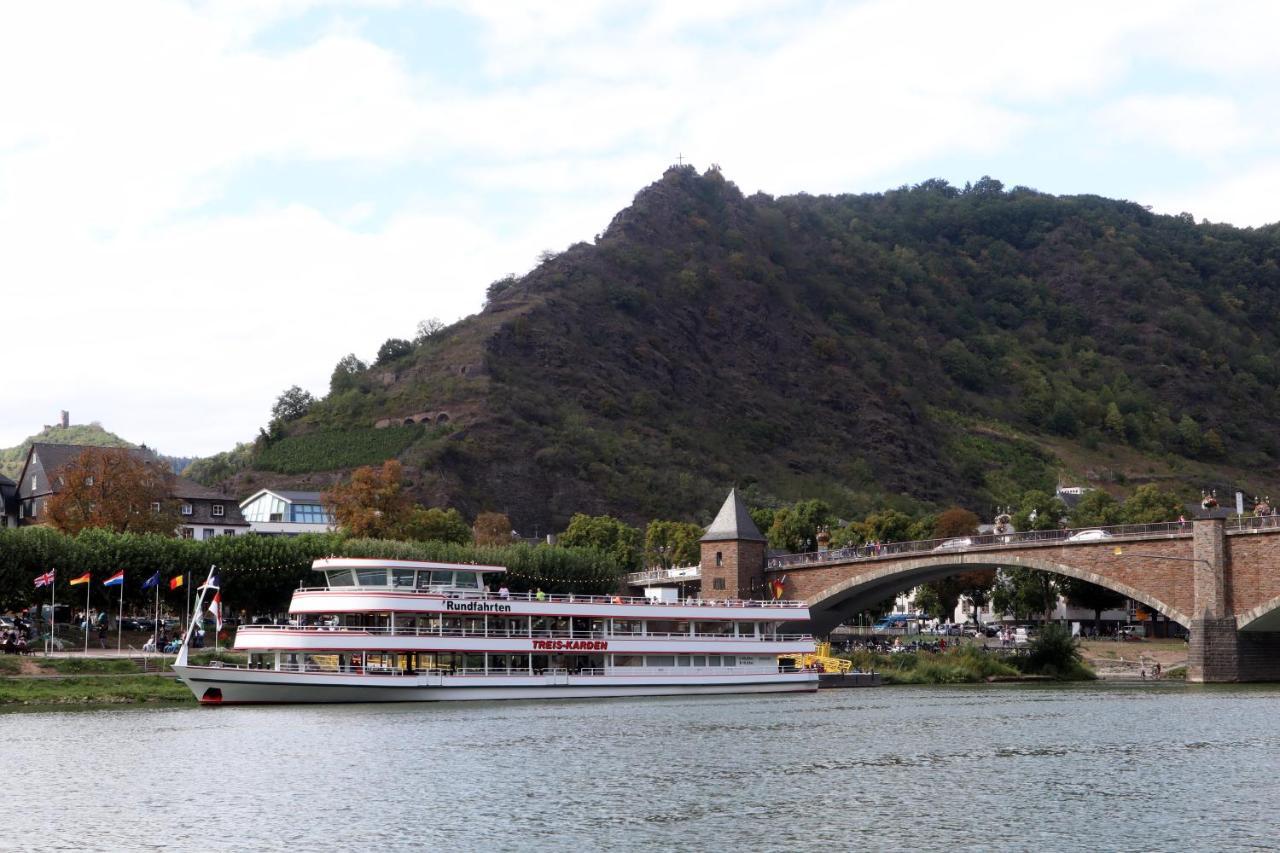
x,y
120,620
188,596
155,630
87,587
53,612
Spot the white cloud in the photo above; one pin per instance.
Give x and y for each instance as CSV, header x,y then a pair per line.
x,y
178,320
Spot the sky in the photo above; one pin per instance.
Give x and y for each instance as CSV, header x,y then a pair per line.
x,y
202,204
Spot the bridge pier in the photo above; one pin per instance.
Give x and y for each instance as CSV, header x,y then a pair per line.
x,y
1219,651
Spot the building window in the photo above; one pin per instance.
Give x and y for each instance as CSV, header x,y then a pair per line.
x,y
187,509
309,514
209,533
155,506
218,510
88,481
35,508
719,559
228,533
188,533
717,583
33,482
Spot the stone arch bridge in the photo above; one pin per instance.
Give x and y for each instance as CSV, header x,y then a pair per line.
x,y
1220,580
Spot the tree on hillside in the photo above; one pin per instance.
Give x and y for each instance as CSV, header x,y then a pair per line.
x,y
492,528
292,404
604,533
893,525
393,348
1038,510
428,328
1095,508
435,525
117,490
1150,504
671,543
373,503
346,372
955,522
1090,596
795,527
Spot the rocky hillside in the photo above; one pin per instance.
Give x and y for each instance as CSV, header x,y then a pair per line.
x,y
921,346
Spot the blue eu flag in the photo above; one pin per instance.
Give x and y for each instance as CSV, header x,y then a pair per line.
x,y
151,581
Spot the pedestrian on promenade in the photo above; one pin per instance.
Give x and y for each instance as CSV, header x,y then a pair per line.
x,y
539,594
102,634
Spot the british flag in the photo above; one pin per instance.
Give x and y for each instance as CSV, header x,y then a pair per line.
x,y
45,579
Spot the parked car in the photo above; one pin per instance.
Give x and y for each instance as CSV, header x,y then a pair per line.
x,y
954,544
1090,534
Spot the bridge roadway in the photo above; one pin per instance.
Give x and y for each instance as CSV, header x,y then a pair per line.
x,y
1221,580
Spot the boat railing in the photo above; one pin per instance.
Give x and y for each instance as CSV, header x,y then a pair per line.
x,y
537,672
566,598
538,634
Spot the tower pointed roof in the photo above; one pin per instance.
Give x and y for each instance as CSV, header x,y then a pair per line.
x,y
733,522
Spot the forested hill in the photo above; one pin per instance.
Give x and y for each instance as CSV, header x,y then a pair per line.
x,y
924,345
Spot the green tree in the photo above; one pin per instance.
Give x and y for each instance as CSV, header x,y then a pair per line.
x,y
1114,421
346,373
1096,508
292,404
893,525
427,329
671,543
795,527
492,529
1089,596
1149,504
393,348
1038,510
606,534
1024,592
1189,435
435,525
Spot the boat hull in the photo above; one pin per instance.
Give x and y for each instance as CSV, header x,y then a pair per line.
x,y
233,686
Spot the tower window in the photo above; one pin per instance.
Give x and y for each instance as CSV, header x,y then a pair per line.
x,y
719,558
717,583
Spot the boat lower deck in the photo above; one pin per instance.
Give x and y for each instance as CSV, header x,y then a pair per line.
x,y
214,685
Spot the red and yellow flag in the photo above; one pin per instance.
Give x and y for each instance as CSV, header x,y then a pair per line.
x,y
175,582
84,578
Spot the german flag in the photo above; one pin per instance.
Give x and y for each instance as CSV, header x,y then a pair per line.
x,y
84,578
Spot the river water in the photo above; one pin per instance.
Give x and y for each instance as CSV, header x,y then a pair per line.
x,y
1017,767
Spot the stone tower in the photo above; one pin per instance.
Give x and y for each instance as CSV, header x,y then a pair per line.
x,y
733,554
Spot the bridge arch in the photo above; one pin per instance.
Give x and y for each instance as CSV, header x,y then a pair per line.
x,y
1264,617
833,605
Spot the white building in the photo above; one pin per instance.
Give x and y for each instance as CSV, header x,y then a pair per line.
x,y
286,513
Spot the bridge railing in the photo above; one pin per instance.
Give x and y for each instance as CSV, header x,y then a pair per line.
x,y
985,541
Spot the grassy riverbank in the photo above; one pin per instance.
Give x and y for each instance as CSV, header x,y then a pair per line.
x,y
37,681
966,665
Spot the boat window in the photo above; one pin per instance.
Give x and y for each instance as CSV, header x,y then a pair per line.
x,y
730,660
498,663
683,660
628,660
442,578
626,626
402,577
474,663
713,627
339,577
466,580
713,660
746,629
660,660
699,660
372,577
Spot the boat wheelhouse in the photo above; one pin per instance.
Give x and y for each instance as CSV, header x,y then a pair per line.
x,y
397,630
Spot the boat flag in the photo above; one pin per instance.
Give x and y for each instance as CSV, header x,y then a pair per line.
x,y
45,579
115,580
215,604
84,578
778,586
151,581
175,582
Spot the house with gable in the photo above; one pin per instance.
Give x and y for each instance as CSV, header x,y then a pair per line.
x,y
205,513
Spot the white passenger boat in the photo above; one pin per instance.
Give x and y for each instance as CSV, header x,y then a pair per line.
x,y
402,631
